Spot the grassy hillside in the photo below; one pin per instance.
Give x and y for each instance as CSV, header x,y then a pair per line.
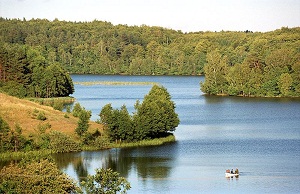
x,y
23,112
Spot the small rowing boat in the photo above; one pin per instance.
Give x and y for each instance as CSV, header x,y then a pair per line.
x,y
229,173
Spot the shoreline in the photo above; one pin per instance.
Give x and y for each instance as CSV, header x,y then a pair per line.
x,y
252,96
9,156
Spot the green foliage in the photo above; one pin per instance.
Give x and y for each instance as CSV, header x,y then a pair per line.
x,y
146,142
10,156
95,140
17,139
14,89
106,181
61,143
24,73
155,117
215,74
118,123
40,176
76,110
270,75
11,139
4,135
68,109
34,54
41,139
101,143
41,116
58,105
106,116
83,122
284,83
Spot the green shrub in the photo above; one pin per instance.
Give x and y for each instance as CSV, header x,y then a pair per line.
x,y
41,176
60,143
13,88
68,109
95,140
83,122
58,105
76,110
41,116
106,181
101,143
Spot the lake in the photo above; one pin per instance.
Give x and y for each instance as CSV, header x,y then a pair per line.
x,y
259,136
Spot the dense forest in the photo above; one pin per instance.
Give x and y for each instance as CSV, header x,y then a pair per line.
x,y
24,72
235,63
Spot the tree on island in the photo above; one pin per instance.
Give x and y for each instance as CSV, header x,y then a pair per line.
x,y
155,117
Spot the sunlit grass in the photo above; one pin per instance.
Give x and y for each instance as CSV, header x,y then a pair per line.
x,y
46,101
151,142
8,156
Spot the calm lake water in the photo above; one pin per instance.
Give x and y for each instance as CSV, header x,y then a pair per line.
x,y
259,136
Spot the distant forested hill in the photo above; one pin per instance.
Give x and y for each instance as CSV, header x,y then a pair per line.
x,y
235,63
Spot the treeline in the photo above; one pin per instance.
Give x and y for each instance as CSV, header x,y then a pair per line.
x,y
155,117
25,72
276,74
101,48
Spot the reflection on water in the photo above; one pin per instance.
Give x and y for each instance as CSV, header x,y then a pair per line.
x,y
147,162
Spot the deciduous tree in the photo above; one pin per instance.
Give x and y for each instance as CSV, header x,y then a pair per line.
x,y
106,181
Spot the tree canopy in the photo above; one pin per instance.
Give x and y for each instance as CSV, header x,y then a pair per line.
x,y
24,72
41,176
277,75
106,181
250,64
155,117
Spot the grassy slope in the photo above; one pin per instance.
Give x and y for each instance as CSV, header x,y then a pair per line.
x,y
14,110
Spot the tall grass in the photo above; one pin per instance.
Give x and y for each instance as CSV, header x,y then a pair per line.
x,y
7,156
151,142
52,101
114,83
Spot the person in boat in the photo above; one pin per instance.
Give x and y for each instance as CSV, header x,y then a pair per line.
x,y
231,171
236,171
